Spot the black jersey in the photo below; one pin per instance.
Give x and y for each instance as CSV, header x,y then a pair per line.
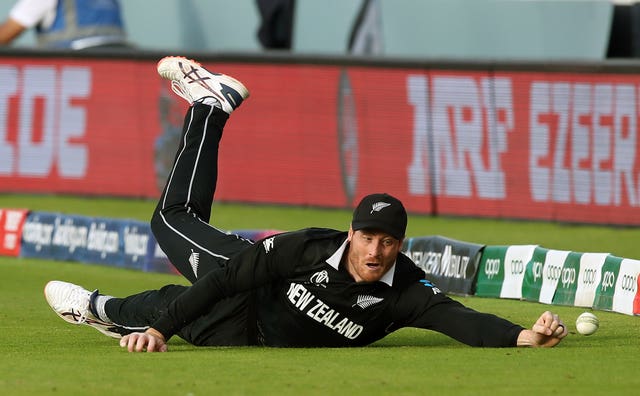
x,y
305,298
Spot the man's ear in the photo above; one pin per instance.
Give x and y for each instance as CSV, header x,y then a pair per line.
x,y
350,235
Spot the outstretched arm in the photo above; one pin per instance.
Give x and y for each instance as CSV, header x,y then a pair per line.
x,y
547,331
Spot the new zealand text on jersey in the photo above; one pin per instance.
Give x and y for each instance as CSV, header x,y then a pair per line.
x,y
317,310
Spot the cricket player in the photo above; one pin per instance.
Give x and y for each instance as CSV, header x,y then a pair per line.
x,y
314,287
67,24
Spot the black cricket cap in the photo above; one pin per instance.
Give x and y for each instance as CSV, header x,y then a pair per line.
x,y
381,212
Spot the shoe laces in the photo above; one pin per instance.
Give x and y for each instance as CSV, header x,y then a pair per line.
x,y
80,298
178,87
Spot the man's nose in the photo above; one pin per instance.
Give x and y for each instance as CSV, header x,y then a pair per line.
x,y
375,248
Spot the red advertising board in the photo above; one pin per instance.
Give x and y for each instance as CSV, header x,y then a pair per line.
x,y
533,145
11,222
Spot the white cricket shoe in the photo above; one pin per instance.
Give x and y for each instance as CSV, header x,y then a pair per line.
x,y
193,83
71,303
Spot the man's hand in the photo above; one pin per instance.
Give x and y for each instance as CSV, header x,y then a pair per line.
x,y
150,341
546,332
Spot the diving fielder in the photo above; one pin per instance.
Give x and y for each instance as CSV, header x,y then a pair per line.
x,y
310,288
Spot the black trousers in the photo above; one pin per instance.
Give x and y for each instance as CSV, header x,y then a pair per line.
x,y
181,226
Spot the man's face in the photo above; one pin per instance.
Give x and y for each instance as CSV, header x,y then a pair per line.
x,y
371,254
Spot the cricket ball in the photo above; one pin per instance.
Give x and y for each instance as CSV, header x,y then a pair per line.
x,y
587,323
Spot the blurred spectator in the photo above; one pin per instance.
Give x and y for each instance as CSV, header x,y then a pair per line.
x,y
67,24
366,35
276,28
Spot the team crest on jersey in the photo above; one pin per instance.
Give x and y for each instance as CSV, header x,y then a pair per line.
x,y
431,285
268,244
320,278
365,301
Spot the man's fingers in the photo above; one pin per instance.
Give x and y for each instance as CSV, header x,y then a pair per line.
x,y
561,331
134,342
129,341
549,324
140,342
542,329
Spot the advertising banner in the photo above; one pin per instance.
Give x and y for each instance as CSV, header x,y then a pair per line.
x,y
568,282
626,287
508,144
117,242
77,126
11,223
588,278
607,283
617,288
515,261
636,300
534,275
450,264
38,236
137,242
491,271
551,274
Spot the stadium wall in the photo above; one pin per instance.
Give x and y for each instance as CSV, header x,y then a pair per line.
x,y
547,141
460,29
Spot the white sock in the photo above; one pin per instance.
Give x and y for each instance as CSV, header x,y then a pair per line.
x,y
99,306
211,101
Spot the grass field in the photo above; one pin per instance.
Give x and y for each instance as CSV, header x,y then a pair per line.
x,y
41,354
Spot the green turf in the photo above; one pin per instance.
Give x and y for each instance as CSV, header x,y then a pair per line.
x,y
41,354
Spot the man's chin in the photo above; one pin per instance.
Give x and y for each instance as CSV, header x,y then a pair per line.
x,y
372,275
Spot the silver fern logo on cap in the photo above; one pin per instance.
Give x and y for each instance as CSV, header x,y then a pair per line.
x,y
378,206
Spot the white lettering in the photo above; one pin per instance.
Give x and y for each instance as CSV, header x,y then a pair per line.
x,y
8,88
12,219
568,277
492,267
581,122
313,312
591,157
462,154
602,131
102,240
537,270
69,235
135,244
37,120
300,297
625,139
72,158
417,94
351,330
39,234
608,280
47,132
